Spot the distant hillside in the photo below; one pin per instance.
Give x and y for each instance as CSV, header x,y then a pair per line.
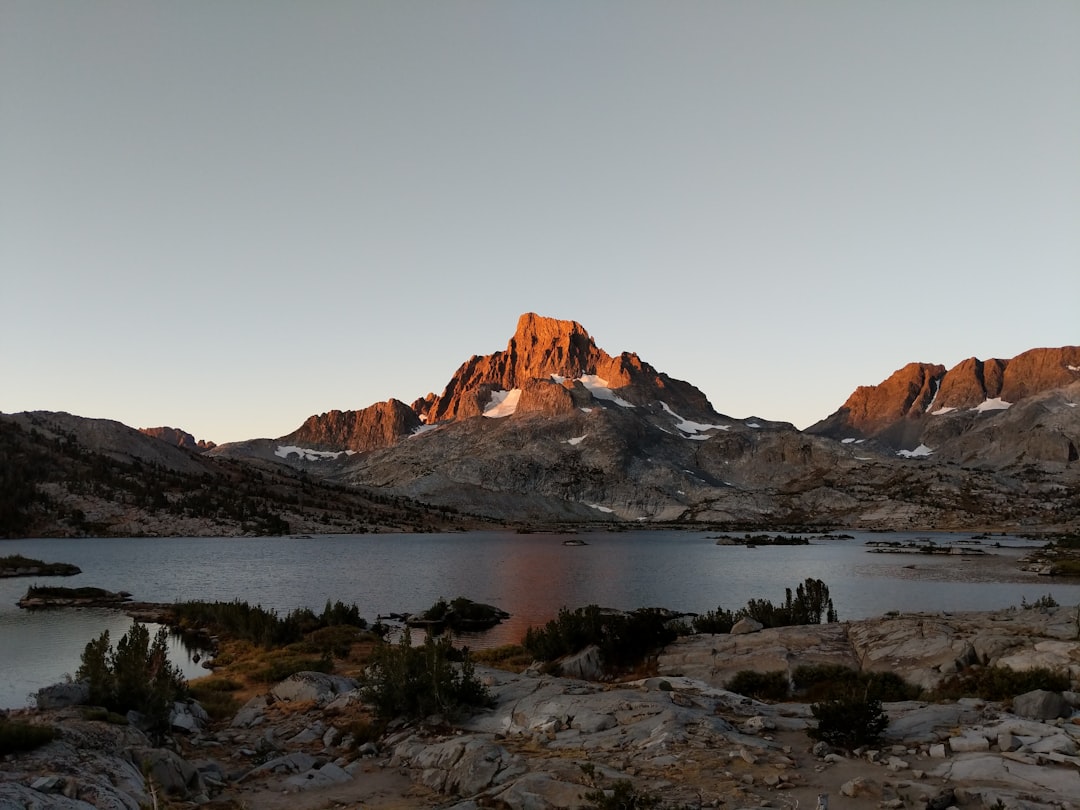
x,y
179,438
63,475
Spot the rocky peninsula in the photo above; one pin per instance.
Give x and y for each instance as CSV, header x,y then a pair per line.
x,y
678,736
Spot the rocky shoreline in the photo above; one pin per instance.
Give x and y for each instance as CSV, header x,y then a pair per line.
x,y
549,741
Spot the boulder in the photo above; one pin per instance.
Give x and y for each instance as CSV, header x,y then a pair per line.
x,y
1041,704
585,665
188,717
317,687
252,713
63,695
169,771
746,625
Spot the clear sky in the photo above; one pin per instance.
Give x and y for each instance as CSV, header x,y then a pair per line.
x,y
225,217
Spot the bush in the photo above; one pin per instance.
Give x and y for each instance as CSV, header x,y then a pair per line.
x,y
622,796
415,682
835,681
760,685
16,737
137,676
214,695
715,621
849,722
624,639
1000,683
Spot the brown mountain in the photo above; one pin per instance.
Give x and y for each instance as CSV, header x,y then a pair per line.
x,y
898,411
178,438
549,352
379,425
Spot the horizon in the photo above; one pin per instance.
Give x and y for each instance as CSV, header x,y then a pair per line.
x,y
227,219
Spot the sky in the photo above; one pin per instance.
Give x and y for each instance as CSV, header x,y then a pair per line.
x,y
226,217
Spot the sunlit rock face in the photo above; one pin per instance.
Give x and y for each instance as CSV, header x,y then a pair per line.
x,y
923,405
379,425
560,353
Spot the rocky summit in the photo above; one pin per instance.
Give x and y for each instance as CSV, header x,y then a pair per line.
x,y
547,742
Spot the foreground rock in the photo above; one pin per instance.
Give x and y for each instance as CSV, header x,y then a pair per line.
x,y
549,742
922,648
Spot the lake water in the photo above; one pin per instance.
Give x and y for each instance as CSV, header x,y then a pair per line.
x,y
529,575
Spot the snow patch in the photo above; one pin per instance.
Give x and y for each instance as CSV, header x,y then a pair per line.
x,y
1073,368
919,452
942,410
599,508
847,441
503,403
576,440
423,429
995,404
599,388
688,427
752,425
307,454
586,410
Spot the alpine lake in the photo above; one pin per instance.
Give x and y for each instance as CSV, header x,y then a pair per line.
x,y
531,576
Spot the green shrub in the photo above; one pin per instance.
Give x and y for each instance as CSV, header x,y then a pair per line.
x,y
760,685
624,639
214,695
102,715
256,624
414,682
849,722
281,668
622,796
835,681
714,621
1000,683
136,676
16,737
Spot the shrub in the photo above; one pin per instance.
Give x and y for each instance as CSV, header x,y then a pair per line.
x,y
136,676
415,682
624,639
622,796
715,621
849,722
16,736
1000,683
760,685
835,681
214,695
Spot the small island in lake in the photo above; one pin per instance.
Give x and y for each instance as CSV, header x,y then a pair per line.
x,y
39,596
16,565
460,614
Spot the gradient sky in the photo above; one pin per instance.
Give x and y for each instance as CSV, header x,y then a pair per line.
x,y
225,217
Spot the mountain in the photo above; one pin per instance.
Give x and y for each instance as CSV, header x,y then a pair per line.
x,y
554,429
180,438
990,413
65,475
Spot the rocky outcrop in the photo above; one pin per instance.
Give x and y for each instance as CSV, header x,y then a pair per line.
x,y
379,425
178,438
555,742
